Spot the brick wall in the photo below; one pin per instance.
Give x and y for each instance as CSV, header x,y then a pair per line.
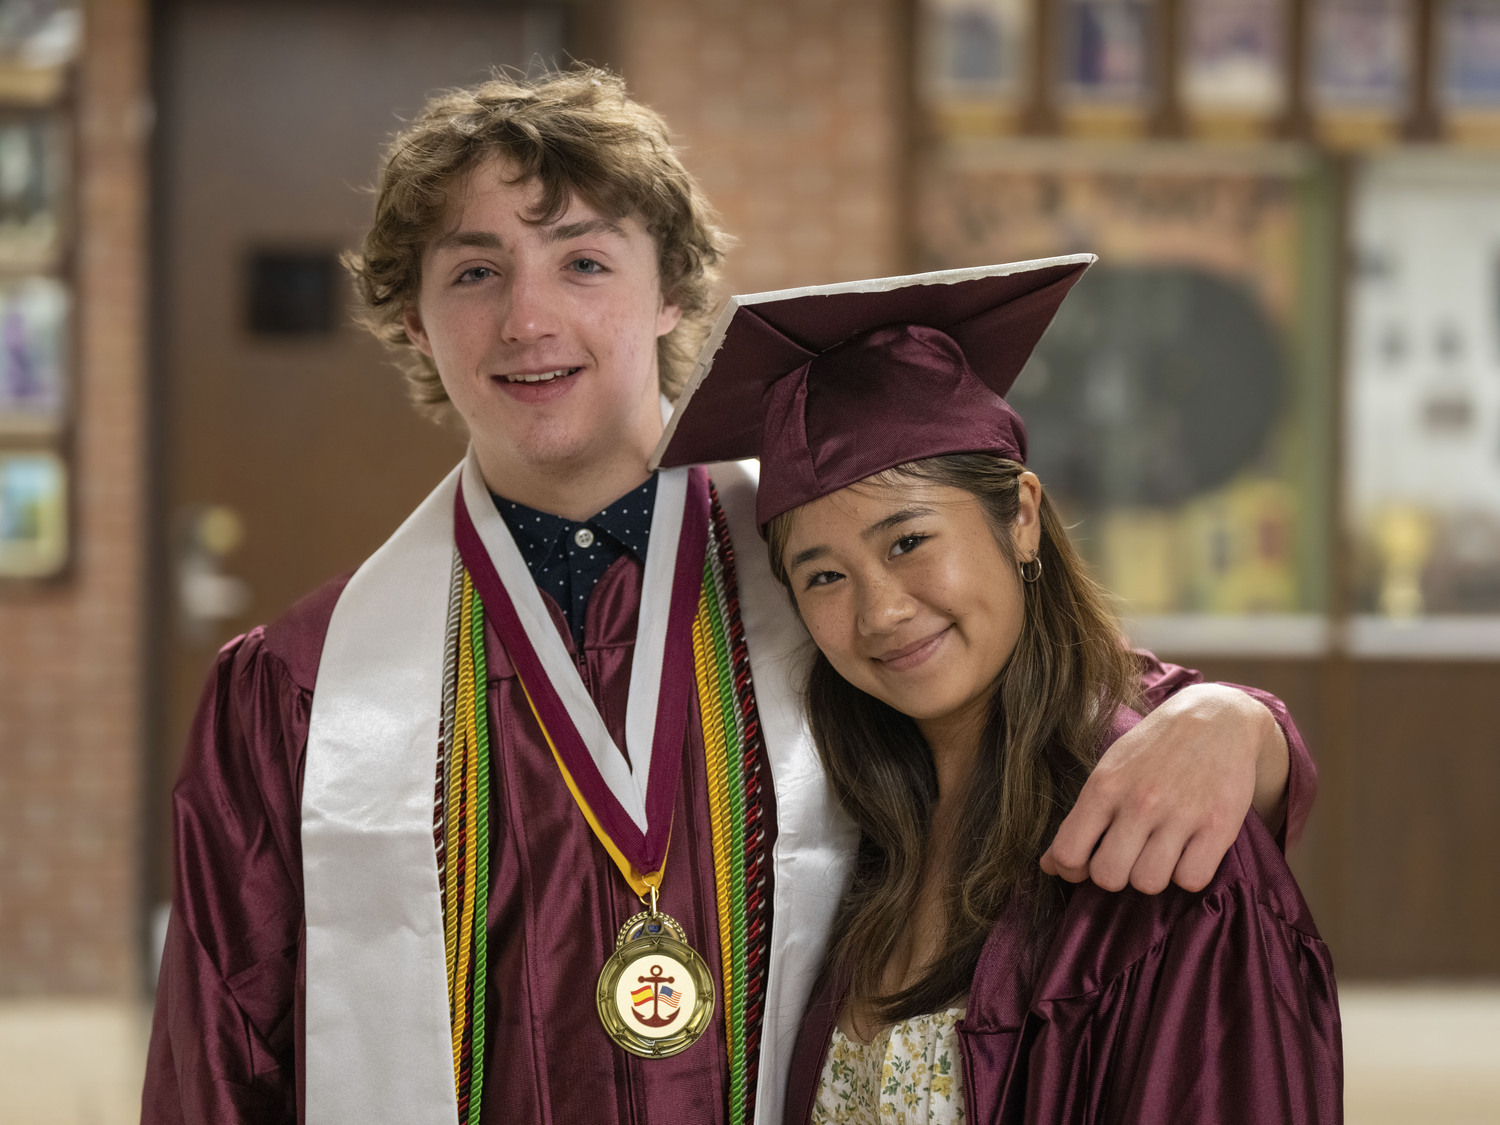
x,y
790,114
71,652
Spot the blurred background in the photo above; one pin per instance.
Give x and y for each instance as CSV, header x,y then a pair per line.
x,y
1272,411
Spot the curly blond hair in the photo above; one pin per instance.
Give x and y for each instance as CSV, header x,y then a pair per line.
x,y
575,133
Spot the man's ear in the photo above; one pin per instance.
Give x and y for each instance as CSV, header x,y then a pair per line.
x,y
411,320
667,317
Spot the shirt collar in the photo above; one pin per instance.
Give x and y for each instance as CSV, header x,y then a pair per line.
x,y
627,520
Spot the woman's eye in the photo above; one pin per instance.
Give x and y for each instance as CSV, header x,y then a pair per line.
x,y
906,544
822,578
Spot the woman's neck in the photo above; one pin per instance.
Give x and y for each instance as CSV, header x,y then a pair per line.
x,y
954,742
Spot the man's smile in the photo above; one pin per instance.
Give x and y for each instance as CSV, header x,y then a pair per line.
x,y
540,376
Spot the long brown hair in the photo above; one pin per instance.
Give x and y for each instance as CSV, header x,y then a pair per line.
x,y
1052,707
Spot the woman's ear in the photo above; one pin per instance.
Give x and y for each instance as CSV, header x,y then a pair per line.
x,y
1026,530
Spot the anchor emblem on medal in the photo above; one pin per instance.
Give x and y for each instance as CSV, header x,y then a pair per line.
x,y
655,994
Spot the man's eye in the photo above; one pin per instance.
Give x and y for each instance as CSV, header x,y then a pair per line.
x,y
475,273
587,265
906,544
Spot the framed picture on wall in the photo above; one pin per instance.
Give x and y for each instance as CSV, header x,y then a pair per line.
x,y
1468,69
33,355
1234,58
38,41
976,50
33,514
1360,67
31,190
1104,56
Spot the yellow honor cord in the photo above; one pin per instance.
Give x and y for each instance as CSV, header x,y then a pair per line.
x,y
462,765
715,747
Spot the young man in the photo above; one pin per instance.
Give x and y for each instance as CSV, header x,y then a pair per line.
x,y
422,831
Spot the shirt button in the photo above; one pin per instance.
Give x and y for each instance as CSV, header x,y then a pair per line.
x,y
583,537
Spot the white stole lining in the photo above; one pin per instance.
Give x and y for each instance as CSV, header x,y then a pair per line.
x,y
815,840
626,780
379,1041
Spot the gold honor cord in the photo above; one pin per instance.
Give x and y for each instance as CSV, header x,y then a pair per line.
x,y
454,805
465,875
718,797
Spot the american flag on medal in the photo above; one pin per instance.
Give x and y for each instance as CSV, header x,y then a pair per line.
x,y
641,995
670,998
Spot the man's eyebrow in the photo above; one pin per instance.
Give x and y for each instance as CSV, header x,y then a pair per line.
x,y
478,239
565,231
895,519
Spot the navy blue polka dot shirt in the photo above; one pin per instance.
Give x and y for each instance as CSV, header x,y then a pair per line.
x,y
567,558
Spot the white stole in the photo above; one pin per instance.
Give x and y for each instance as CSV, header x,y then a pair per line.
x,y
379,1041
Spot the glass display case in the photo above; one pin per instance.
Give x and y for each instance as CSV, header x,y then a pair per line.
x,y
1422,420
1177,407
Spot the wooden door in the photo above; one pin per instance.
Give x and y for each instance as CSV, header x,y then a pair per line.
x,y
288,449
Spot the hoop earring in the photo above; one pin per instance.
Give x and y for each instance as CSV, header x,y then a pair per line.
x,y
1031,569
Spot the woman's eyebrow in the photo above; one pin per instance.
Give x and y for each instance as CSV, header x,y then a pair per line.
x,y
806,556
895,519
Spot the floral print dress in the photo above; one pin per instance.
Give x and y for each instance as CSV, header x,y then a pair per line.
x,y
907,1075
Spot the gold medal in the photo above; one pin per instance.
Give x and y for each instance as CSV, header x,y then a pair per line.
x,y
655,994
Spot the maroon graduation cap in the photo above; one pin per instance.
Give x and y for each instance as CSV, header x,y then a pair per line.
x,y
830,384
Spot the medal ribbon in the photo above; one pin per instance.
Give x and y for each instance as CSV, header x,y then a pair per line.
x,y
640,854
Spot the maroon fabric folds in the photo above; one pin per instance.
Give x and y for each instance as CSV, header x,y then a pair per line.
x,y
1215,1008
227,1041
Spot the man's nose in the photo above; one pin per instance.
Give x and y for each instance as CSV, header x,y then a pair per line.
x,y
529,314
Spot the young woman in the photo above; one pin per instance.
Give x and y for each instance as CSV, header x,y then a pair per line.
x,y
968,675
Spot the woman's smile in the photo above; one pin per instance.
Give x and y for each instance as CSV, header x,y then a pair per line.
x,y
915,654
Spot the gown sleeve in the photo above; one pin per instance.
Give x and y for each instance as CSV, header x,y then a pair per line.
x,y
1224,1012
1160,681
223,1045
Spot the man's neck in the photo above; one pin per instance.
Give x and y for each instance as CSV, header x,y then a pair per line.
x,y
574,495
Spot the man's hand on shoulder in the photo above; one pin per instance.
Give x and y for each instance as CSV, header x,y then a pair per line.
x,y
1166,800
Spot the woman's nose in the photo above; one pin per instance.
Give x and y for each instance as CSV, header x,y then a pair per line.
x,y
882,606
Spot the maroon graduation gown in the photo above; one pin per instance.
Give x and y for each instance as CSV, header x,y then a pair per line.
x,y
1214,1008
227,1042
